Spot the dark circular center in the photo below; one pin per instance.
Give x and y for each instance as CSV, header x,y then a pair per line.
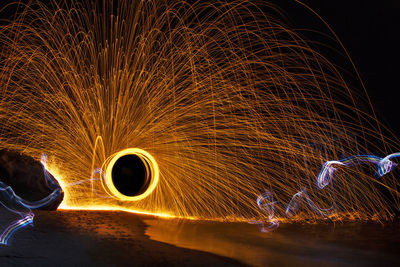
x,y
130,175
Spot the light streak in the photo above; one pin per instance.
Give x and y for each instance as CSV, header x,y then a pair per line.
x,y
266,203
13,203
23,207
11,229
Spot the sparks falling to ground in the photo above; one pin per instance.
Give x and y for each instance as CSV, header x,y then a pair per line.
x,y
220,101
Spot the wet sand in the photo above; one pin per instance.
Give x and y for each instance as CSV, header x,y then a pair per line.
x,y
324,244
111,238
97,238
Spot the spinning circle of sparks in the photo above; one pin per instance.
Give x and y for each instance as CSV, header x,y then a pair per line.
x,y
152,173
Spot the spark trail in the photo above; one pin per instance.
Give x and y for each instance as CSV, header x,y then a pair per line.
x,y
266,203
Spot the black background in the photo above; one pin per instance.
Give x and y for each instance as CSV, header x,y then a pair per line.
x,y
369,30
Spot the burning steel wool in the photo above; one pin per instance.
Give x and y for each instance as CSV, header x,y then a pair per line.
x,y
186,109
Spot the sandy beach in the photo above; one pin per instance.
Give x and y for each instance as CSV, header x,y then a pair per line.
x,y
113,238
97,238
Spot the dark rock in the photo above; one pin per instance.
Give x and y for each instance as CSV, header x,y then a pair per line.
x,y
27,178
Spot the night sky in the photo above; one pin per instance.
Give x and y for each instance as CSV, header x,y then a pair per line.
x,y
370,32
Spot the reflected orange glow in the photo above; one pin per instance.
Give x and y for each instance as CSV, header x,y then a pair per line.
x,y
111,208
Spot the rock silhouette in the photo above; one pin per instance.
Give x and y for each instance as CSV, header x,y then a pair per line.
x,y
28,179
